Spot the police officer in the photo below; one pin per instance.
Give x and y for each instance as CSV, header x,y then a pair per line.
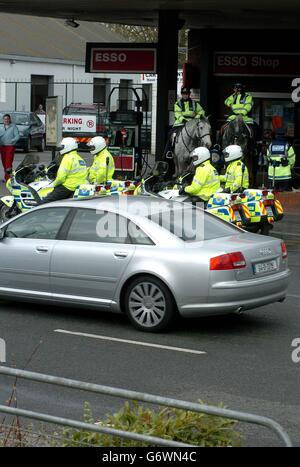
x,y
71,173
103,167
240,103
236,178
281,158
206,180
185,109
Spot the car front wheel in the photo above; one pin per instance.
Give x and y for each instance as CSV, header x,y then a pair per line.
x,y
149,304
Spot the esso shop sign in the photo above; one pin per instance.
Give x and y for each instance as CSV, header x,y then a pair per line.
x,y
256,64
79,123
120,59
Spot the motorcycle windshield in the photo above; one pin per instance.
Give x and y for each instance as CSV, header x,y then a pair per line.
x,y
29,159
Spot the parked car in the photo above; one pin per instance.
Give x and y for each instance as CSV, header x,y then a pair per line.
x,y
149,258
31,129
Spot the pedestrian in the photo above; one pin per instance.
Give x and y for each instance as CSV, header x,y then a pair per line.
x,y
9,136
40,110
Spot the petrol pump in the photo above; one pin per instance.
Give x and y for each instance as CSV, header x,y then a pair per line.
x,y
124,133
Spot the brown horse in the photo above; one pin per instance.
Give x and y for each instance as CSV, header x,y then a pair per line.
x,y
238,132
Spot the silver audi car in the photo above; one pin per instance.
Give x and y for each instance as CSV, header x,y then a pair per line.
x,y
149,258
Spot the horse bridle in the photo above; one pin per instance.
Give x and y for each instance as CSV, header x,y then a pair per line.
x,y
200,137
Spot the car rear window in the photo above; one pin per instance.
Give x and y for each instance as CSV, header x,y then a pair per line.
x,y
192,224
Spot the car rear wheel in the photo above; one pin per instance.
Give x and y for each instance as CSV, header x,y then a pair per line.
x,y
149,304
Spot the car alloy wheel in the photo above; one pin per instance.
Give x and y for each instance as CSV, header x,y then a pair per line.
x,y
149,304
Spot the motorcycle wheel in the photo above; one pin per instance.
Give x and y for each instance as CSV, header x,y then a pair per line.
x,y
265,229
4,213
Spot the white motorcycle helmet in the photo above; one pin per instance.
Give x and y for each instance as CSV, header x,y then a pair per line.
x,y
200,155
67,145
232,153
96,145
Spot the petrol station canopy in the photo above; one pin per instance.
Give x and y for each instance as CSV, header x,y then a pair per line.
x,y
194,13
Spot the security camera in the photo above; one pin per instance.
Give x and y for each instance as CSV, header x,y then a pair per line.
x,y
71,23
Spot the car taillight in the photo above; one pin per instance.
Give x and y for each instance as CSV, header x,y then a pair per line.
x,y
98,188
234,260
284,250
243,196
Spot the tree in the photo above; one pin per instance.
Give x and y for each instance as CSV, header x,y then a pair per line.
x,y
149,34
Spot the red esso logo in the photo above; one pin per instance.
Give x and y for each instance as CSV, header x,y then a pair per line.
x,y
232,60
111,57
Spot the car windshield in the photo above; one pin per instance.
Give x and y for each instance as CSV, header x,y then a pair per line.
x,y
18,119
192,224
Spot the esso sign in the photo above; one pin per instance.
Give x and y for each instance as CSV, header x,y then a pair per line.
x,y
232,60
111,57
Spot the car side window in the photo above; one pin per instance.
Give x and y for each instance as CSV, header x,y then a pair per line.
x,y
39,223
90,225
137,235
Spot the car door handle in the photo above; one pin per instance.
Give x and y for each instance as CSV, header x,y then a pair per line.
x,y
120,254
42,249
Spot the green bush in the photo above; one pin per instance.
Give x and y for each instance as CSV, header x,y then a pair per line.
x,y
168,423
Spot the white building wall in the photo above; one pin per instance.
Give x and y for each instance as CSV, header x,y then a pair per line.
x,y
17,73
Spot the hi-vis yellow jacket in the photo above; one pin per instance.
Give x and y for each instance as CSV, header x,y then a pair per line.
x,y
97,172
236,176
72,171
205,183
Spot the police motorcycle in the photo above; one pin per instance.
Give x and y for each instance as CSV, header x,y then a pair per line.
x,y
29,183
157,185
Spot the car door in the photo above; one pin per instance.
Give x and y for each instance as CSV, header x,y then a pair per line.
x,y
26,248
34,130
89,263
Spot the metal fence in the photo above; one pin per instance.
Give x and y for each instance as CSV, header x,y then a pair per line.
x,y
11,433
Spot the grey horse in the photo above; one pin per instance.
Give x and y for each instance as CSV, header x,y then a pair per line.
x,y
195,132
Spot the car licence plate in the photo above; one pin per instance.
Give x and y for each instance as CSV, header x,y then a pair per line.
x,y
269,211
265,267
237,216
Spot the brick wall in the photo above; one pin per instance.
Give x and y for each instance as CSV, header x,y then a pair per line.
x,y
290,201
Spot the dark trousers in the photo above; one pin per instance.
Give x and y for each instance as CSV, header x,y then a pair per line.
x,y
59,192
281,185
170,143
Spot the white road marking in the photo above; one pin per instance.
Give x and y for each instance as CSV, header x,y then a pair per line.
x,y
125,341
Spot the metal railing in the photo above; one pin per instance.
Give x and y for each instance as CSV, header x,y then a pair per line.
x,y
136,396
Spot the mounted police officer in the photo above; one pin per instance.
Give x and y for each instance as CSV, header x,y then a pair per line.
x,y
236,178
185,109
240,103
281,158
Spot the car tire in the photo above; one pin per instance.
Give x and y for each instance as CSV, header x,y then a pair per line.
x,y
27,146
41,147
149,304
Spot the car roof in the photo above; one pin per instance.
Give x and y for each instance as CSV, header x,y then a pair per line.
x,y
121,203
